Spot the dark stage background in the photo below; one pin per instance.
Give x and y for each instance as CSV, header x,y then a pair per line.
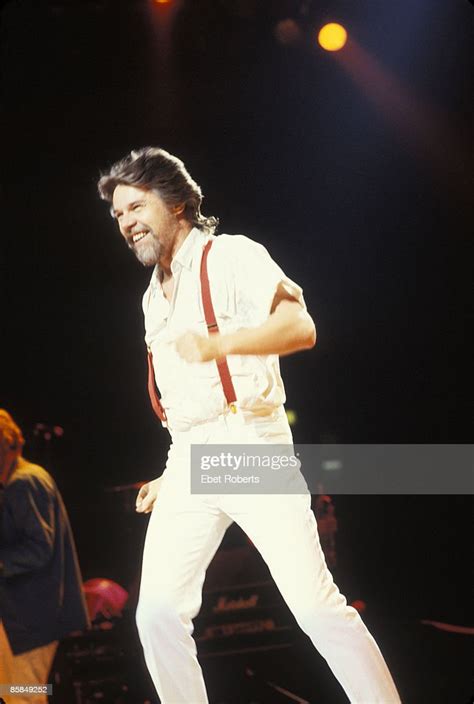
x,y
354,172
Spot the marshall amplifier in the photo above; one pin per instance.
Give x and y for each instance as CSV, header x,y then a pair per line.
x,y
242,609
241,619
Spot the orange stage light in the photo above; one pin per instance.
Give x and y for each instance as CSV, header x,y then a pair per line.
x,y
332,36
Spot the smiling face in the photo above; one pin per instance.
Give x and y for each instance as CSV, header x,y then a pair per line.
x,y
148,225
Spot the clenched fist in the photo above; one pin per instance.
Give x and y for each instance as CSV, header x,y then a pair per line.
x,y
195,348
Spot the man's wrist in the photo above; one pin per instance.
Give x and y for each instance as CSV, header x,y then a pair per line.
x,y
221,345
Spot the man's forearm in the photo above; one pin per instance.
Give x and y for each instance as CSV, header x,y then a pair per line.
x,y
289,329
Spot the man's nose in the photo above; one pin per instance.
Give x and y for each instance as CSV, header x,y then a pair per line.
x,y
127,222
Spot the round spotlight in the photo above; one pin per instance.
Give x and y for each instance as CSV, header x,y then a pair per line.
x,y
332,36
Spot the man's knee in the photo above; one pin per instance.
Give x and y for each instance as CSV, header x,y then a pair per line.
x,y
160,612
314,617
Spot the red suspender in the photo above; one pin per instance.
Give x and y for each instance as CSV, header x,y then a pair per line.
x,y
212,327
153,393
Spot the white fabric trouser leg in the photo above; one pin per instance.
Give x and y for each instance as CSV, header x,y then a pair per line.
x,y
183,535
284,531
179,546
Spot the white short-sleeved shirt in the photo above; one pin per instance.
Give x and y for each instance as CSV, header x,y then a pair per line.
x,y
243,280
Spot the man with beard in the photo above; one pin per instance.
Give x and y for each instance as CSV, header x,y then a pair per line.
x,y
220,383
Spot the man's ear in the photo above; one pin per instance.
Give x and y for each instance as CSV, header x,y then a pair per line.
x,y
178,209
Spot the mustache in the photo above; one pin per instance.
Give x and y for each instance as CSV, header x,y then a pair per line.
x,y
129,239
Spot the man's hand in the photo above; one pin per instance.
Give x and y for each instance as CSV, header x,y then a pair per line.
x,y
147,496
195,348
289,328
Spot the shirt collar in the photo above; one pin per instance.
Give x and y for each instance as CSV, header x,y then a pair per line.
x,y
185,254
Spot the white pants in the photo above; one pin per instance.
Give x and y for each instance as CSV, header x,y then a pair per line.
x,y
183,535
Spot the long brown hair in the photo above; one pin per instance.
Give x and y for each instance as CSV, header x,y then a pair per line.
x,y
157,170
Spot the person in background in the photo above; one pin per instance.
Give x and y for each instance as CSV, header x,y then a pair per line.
x,y
41,597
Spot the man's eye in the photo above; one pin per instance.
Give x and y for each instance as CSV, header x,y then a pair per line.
x,y
137,206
